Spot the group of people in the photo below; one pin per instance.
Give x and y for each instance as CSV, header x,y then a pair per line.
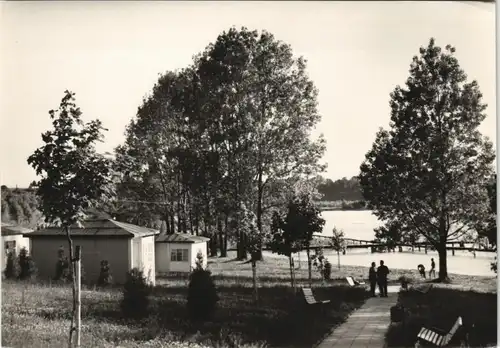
x,y
378,276
432,272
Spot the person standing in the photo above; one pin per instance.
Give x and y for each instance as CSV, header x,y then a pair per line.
x,y
421,270
382,272
433,269
372,277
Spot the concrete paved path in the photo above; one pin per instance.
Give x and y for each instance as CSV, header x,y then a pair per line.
x,y
365,327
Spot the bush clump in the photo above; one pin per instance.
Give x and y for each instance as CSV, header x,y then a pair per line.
x,y
202,295
64,269
12,267
105,277
136,291
27,267
327,270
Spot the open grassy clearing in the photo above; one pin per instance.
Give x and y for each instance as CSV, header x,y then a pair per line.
x,y
35,315
275,271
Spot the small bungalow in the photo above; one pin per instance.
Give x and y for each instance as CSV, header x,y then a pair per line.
x,y
13,240
124,246
177,252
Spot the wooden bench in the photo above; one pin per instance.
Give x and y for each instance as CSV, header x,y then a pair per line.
x,y
309,297
352,282
438,337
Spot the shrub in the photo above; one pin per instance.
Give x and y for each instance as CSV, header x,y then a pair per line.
x,y
105,278
11,267
64,271
202,295
135,301
61,264
327,270
405,281
27,267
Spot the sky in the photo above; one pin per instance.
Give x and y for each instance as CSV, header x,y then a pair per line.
x,y
111,53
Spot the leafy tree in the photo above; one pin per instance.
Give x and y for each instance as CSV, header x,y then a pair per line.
x,y
305,218
267,104
295,231
488,228
321,263
429,170
338,242
284,241
255,240
73,175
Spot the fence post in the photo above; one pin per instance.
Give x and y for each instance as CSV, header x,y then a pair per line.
x,y
78,314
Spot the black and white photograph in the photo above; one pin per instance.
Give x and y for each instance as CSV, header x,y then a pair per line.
x,y
248,174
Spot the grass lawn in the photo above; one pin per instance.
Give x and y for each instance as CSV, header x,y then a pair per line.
x,y
35,315
440,308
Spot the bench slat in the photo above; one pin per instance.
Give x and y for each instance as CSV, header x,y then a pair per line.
x,y
309,297
439,339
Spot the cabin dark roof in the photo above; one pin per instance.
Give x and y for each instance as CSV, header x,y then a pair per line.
x,y
99,228
12,230
180,238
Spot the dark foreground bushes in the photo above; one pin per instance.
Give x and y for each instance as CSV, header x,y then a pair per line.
x,y
439,308
280,318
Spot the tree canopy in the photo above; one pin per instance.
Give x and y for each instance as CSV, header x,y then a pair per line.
x,y
233,127
428,171
73,174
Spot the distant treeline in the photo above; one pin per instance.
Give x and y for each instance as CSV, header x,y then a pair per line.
x,y
19,205
340,190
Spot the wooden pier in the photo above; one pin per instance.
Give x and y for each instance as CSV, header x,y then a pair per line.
x,y
321,241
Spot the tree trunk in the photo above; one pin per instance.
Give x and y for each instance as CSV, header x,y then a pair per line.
x,y
78,298
167,225
259,210
443,264
309,266
242,250
221,237
254,278
292,271
224,242
72,266
213,244
172,223
338,258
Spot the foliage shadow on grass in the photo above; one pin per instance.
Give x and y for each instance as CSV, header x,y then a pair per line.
x,y
280,318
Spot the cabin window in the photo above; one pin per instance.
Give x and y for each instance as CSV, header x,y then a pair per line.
x,y
179,255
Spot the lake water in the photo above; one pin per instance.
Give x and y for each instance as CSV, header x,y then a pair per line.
x,y
359,224
356,224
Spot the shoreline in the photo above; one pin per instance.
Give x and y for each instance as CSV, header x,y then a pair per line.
x,y
465,265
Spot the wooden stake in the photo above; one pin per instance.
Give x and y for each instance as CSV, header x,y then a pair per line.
x,y
78,314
